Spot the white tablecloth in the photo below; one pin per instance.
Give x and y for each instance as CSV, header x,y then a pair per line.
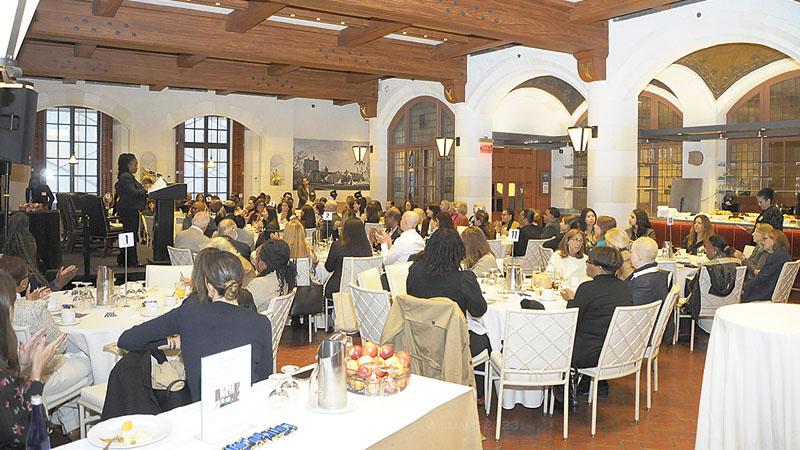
x,y
750,397
95,330
373,419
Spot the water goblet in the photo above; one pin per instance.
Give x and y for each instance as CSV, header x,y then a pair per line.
x,y
278,402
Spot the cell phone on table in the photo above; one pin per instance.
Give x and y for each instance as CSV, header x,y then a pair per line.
x,y
304,373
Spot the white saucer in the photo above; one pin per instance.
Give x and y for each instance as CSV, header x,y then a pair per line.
x,y
62,324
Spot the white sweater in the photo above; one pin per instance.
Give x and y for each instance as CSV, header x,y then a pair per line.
x,y
570,266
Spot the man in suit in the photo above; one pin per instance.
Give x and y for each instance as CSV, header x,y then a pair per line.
x,y
392,221
187,221
552,217
648,283
227,229
306,193
527,231
329,228
194,237
243,235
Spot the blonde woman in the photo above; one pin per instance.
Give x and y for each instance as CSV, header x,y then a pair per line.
x,y
220,243
295,235
479,257
618,239
759,256
461,211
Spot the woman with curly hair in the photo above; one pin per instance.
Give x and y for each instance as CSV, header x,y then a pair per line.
x,y
640,225
277,274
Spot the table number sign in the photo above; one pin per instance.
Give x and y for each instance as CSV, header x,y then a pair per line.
x,y
126,240
327,215
225,394
513,235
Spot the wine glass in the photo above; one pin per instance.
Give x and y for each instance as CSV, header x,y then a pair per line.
x,y
278,402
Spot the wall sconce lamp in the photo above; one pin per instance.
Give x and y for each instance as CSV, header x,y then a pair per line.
x,y
445,145
579,137
360,153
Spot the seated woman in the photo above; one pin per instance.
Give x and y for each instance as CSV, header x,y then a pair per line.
x,y
199,292
758,258
700,231
373,212
569,258
640,225
62,373
277,275
506,222
763,284
307,217
209,328
20,243
22,369
352,242
567,222
586,222
440,275
596,301
285,213
720,255
444,220
479,257
295,236
269,225
482,220
430,213
604,223
617,238
220,243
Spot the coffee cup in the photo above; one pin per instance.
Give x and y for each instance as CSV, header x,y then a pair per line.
x,y
151,307
67,315
548,294
52,303
170,300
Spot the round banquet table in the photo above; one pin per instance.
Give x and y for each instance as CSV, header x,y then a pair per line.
x,y
750,396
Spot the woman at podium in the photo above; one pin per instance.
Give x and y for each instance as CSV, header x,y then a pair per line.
x,y
131,198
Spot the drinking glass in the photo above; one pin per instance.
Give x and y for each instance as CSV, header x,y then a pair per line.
x,y
180,289
278,402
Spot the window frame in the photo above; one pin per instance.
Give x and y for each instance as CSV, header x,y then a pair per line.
x,y
208,148
73,144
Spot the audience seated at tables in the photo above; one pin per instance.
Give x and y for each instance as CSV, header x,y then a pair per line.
x,y
352,242
188,220
482,220
227,229
65,370
551,220
528,229
617,238
762,285
506,222
205,329
277,274
295,236
220,243
408,243
440,275
758,258
648,283
596,301
639,225
700,231
20,243
478,255
199,291
569,258
566,223
721,266
604,223
22,370
194,237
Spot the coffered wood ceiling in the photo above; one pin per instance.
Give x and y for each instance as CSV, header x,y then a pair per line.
x,y
327,49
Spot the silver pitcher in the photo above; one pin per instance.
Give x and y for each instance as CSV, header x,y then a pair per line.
x,y
105,286
328,387
669,252
514,277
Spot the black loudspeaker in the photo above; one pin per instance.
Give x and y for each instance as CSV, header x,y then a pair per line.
x,y
17,122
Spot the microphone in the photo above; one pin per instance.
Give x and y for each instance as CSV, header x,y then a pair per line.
x,y
152,172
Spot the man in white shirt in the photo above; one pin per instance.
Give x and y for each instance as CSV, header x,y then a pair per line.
x,y
195,236
408,243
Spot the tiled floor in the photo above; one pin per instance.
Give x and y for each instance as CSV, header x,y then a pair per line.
x,y
671,423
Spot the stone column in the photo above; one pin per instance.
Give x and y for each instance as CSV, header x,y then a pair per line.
x,y
378,162
473,169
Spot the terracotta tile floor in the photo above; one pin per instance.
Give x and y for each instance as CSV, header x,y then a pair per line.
x,y
670,424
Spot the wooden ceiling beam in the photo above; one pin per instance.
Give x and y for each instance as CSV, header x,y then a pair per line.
x,y
353,37
278,70
592,11
84,50
242,20
105,8
170,30
69,80
356,78
286,97
474,44
224,92
343,102
336,19
159,71
187,60
157,87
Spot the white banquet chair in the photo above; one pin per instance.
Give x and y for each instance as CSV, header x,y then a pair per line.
x,y
370,279
92,398
499,247
351,267
372,309
180,256
651,353
532,257
303,271
164,277
397,274
278,314
623,350
785,282
537,351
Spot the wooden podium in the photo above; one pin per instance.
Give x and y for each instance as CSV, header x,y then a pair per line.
x,y
165,219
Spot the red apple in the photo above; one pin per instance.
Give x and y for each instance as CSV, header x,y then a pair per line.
x,y
371,349
386,351
381,372
364,371
356,352
366,359
404,358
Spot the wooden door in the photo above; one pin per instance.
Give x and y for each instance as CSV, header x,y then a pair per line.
x,y
518,177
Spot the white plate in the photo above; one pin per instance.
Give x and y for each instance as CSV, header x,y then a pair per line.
x,y
159,429
62,324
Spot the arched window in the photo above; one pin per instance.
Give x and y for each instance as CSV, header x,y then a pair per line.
x,y
658,162
72,131
756,163
204,155
415,170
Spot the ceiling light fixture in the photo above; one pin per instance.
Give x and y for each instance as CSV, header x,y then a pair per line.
x,y
405,32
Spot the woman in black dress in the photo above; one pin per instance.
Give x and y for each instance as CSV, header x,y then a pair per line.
x,y
131,198
352,242
39,192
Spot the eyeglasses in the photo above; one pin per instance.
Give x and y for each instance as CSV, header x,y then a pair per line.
x,y
576,240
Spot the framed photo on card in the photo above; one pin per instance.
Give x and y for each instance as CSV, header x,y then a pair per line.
x,y
225,393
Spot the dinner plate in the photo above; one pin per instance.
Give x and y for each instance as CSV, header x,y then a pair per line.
x,y
62,324
158,429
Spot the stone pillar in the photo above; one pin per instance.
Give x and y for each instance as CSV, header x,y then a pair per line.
x,y
378,162
473,169
612,156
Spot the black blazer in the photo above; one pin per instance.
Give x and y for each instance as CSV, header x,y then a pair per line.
x,y
460,286
649,287
130,193
526,233
761,286
240,247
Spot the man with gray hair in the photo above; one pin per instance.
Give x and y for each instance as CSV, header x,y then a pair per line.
x,y
329,228
408,243
195,236
227,229
648,283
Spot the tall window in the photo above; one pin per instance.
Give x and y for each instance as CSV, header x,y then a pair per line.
x,y
415,170
659,162
72,131
206,155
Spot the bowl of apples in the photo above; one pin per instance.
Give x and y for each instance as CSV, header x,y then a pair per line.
x,y
369,365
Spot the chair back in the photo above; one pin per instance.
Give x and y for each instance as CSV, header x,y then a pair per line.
x,y
278,314
353,265
709,303
664,316
22,332
63,212
94,207
785,282
499,249
626,340
532,257
311,233
372,309
164,277
539,342
180,256
369,226
545,255
748,250
149,222
396,274
370,279
303,271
